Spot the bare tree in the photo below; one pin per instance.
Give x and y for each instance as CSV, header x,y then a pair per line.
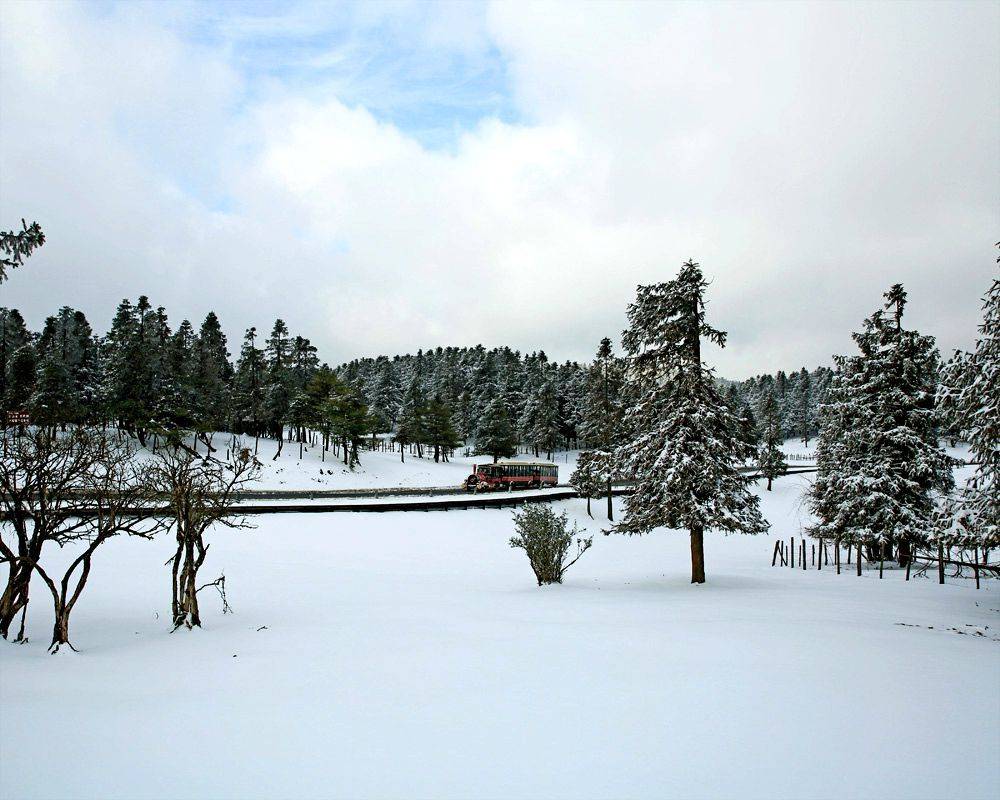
x,y
39,478
76,489
201,493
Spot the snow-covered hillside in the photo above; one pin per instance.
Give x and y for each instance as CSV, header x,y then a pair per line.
x,y
412,655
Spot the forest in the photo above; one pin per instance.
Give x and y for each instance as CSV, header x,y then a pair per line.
x,y
148,378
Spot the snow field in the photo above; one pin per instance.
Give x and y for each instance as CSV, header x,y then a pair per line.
x,y
412,655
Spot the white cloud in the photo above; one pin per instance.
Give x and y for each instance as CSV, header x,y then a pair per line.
x,y
808,156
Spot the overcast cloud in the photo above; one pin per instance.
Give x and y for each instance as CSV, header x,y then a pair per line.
x,y
393,176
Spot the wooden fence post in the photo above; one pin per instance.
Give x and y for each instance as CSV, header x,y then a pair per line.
x,y
975,564
857,552
819,562
803,559
940,563
836,553
791,549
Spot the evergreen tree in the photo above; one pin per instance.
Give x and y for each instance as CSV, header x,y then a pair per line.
x,y
411,422
687,444
544,432
21,377
213,375
880,463
53,402
770,459
179,405
18,245
441,434
973,518
601,425
495,436
249,397
802,406
589,476
13,336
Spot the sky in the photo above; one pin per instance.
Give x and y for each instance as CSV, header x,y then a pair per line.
x,y
393,176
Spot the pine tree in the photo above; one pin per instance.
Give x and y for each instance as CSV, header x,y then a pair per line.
x,y
770,459
213,375
544,432
880,463
249,396
411,422
441,434
179,406
973,518
21,377
601,426
13,336
687,444
802,406
495,436
18,245
53,403
589,476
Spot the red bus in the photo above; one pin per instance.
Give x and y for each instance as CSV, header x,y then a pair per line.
x,y
512,475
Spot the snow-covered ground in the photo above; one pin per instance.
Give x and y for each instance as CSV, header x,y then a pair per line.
x,y
412,655
377,469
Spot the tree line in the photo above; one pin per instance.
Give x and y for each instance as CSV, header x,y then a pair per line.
x,y
147,378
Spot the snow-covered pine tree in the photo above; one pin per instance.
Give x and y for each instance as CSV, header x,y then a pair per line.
x,y
687,444
770,459
955,377
18,245
13,335
213,375
384,396
589,476
441,433
880,462
411,421
601,427
802,407
21,373
972,519
495,436
248,399
544,431
53,403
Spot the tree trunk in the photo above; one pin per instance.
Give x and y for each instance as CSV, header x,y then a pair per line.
x,y
904,553
697,554
189,557
60,630
588,507
15,596
611,511
769,483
